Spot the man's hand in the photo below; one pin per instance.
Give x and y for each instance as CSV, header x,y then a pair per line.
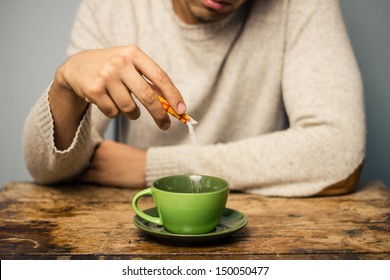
x,y
110,78
116,164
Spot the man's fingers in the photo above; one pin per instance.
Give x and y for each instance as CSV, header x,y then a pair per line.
x,y
104,102
153,72
147,96
120,94
124,75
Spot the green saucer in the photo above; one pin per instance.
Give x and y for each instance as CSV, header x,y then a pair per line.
x,y
231,222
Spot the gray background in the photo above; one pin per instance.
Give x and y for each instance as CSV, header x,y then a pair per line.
x,y
34,36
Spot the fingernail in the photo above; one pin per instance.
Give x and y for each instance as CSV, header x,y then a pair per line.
x,y
166,126
181,108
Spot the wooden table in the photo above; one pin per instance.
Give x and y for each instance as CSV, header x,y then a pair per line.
x,y
90,222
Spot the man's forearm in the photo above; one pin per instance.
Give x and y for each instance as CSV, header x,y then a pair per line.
x,y
67,110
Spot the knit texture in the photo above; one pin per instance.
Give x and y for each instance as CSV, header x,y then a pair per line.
x,y
275,88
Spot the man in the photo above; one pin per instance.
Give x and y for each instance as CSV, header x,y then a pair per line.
x,y
273,83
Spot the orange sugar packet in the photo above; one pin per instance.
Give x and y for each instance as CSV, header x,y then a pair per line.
x,y
183,117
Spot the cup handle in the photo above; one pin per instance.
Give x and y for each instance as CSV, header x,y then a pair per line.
x,y
154,220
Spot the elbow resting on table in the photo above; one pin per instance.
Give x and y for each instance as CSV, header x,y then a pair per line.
x,y
52,167
47,176
349,162
344,186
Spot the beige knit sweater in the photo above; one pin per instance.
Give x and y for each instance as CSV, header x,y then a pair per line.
x,y
275,88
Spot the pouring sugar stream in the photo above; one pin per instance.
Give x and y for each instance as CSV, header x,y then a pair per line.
x,y
190,122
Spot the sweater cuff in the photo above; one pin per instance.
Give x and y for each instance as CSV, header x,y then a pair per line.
x,y
46,123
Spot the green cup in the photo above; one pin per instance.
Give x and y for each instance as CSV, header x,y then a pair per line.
x,y
186,204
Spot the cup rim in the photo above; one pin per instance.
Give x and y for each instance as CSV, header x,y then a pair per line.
x,y
187,175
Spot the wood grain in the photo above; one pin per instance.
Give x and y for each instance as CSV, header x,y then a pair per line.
x,y
91,222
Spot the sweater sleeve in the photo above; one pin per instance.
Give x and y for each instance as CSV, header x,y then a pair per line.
x,y
323,99
47,164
